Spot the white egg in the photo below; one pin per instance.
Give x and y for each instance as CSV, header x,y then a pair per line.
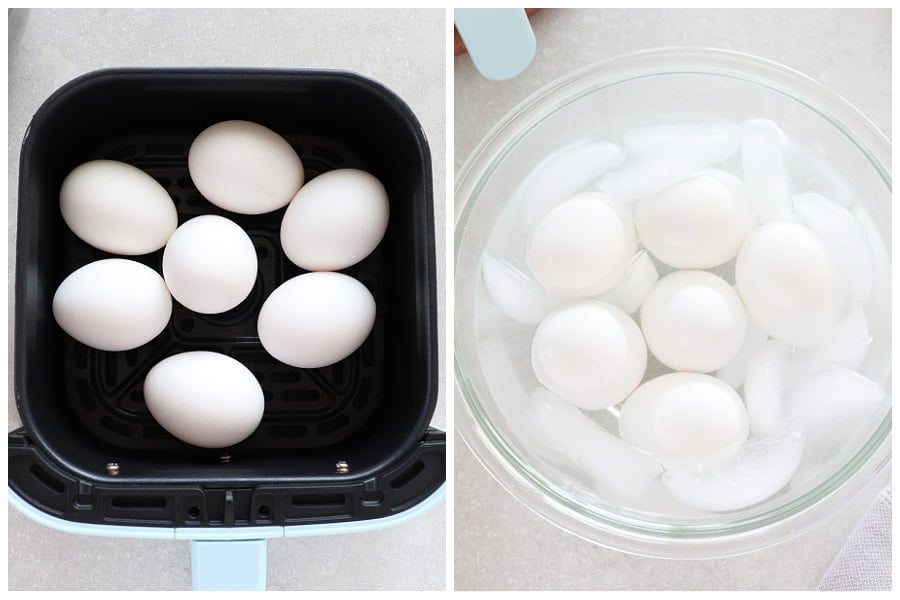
x,y
244,167
206,399
117,208
683,416
335,220
113,304
698,223
790,283
693,321
209,264
582,247
316,319
589,353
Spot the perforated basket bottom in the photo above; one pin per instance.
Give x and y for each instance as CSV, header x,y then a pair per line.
x,y
304,408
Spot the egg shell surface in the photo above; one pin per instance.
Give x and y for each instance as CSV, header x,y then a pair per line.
x,y
693,321
117,208
697,223
790,283
681,417
316,319
113,304
244,167
204,398
589,353
210,264
335,220
583,246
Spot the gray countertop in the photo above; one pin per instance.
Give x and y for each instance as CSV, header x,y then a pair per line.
x,y
499,544
405,50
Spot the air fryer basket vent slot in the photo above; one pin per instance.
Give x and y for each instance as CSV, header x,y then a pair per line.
x,y
408,475
302,500
44,478
138,502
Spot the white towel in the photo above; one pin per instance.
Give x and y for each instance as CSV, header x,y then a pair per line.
x,y
864,563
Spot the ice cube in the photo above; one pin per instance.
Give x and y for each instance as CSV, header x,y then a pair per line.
x,y
734,372
846,347
762,156
879,309
765,386
829,407
644,177
843,236
508,383
810,171
741,477
734,183
516,293
639,278
563,174
716,142
566,436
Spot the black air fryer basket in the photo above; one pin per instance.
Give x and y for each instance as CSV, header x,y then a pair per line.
x,y
339,444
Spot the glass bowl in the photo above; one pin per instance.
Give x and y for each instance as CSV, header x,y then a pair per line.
x,y
602,102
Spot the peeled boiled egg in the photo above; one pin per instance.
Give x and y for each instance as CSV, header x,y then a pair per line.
x,y
683,416
582,247
244,167
335,220
117,208
790,283
698,223
589,353
113,304
203,398
210,264
316,319
693,321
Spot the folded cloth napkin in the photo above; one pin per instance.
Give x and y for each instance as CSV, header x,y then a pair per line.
x,y
864,563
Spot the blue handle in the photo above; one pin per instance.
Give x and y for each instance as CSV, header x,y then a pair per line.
x,y
499,40
228,565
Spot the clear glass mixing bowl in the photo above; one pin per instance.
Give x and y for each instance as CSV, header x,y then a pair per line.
x,y
603,102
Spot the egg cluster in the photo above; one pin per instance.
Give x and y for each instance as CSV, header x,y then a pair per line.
x,y
209,265
789,321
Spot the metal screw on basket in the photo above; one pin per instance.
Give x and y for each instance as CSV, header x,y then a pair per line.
x,y
225,458
341,467
112,469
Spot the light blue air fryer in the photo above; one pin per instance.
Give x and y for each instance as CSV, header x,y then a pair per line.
x,y
341,448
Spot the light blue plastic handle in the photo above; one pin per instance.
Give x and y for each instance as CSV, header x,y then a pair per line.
x,y
499,40
228,565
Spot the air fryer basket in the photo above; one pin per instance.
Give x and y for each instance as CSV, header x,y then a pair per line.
x,y
83,409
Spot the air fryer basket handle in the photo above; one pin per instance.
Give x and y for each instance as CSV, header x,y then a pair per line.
x,y
48,493
228,565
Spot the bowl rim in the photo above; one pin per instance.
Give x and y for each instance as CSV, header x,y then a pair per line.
x,y
482,438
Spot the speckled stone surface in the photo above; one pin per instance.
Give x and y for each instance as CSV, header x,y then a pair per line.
x,y
499,544
403,49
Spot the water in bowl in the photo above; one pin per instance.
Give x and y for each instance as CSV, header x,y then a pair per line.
x,y
810,409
